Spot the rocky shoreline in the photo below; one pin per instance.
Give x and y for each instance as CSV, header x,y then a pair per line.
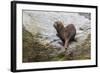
x,y
40,42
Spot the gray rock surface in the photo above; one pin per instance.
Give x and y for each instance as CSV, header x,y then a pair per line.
x,y
39,22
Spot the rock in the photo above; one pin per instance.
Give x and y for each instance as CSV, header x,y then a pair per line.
x,y
80,51
40,25
28,52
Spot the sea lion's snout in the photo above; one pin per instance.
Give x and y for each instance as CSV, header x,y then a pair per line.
x,y
55,25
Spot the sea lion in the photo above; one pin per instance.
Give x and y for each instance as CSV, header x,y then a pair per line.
x,y
66,34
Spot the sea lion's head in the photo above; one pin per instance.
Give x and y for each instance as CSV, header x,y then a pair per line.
x,y
58,25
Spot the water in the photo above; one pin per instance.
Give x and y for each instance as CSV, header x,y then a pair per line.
x,y
42,22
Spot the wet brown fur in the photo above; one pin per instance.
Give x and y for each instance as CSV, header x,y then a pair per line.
x,y
66,34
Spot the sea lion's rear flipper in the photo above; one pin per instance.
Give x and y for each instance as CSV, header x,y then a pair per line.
x,y
73,39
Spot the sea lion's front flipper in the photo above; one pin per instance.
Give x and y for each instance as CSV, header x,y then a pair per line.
x,y
66,44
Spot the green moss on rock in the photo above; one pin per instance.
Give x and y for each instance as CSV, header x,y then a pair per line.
x,y
34,51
